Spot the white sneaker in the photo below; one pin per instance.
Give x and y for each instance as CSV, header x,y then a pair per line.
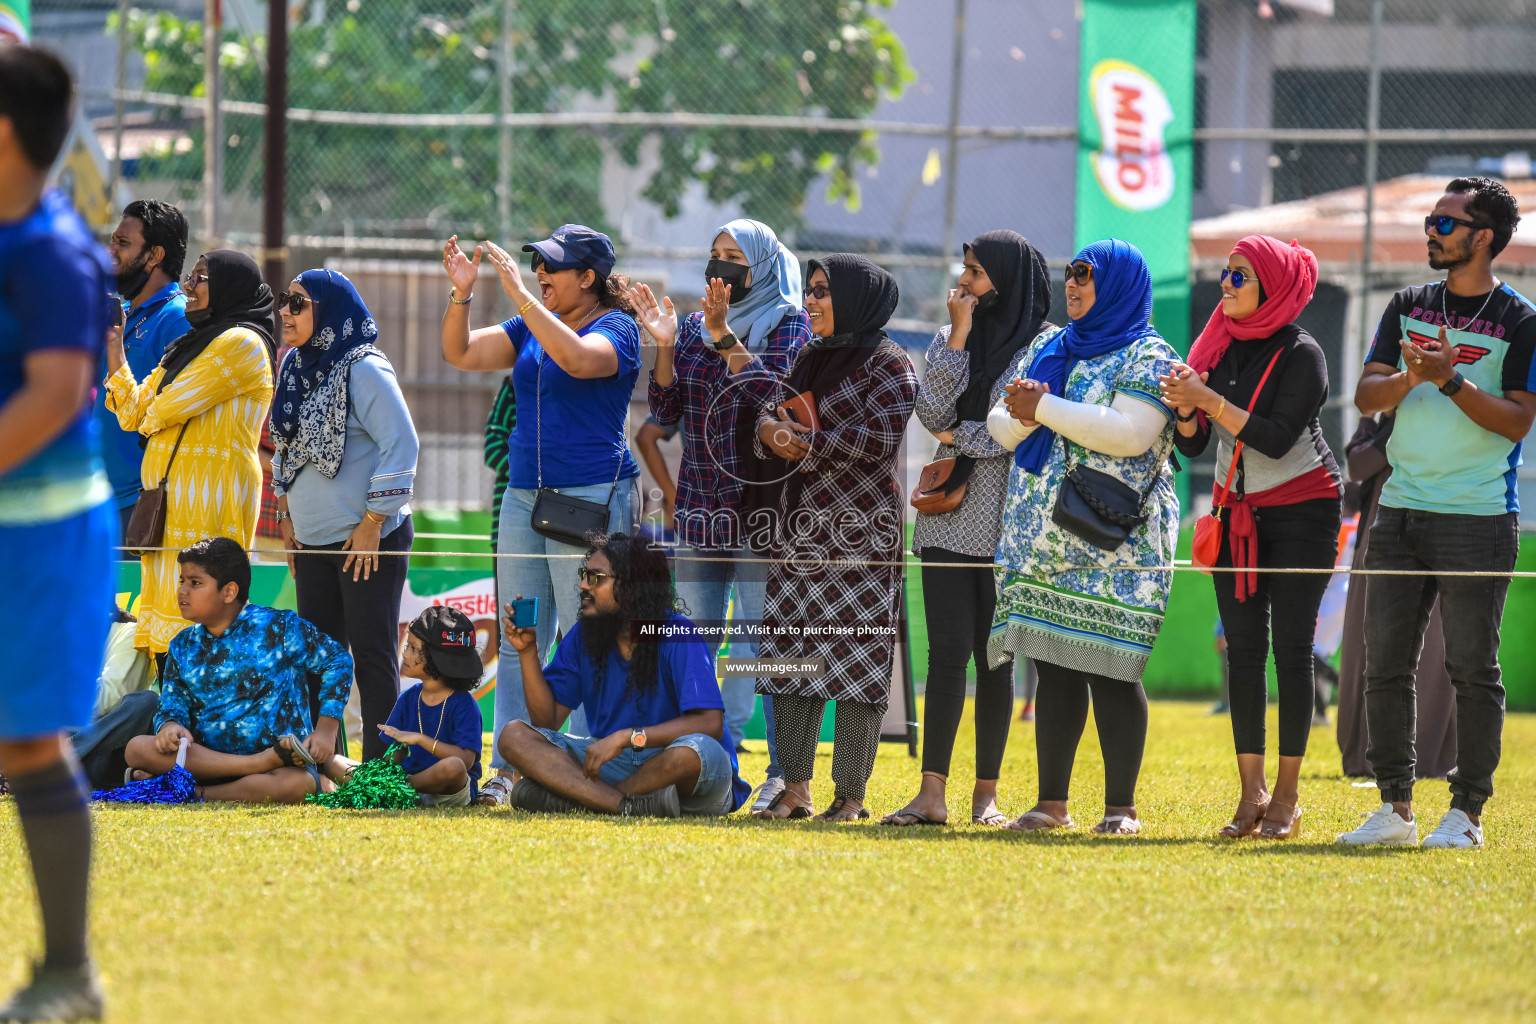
x,y
1455,832
766,792
1383,827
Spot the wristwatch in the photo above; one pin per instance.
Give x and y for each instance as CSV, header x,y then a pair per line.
x,y
727,342
1450,387
637,738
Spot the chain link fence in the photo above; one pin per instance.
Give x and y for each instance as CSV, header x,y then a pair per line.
x,y
898,129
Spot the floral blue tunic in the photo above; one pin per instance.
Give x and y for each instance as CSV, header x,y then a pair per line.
x,y
1100,617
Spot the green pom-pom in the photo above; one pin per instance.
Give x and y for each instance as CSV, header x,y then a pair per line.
x,y
380,784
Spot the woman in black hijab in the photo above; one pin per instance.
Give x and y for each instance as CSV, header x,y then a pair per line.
x,y
999,307
839,512
200,414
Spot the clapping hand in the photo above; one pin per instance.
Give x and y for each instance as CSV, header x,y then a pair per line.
x,y
1434,362
1183,389
717,298
1022,399
511,273
462,270
660,323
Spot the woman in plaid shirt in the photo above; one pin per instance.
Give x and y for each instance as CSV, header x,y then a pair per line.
x,y
731,357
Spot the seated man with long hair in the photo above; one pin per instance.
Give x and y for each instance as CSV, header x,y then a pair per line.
x,y
659,743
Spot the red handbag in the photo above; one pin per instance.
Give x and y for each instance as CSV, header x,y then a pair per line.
x,y
1206,546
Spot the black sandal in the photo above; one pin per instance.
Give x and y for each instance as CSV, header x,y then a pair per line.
x,y
800,811
837,804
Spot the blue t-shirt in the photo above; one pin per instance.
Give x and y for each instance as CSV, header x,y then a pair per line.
x,y
456,720
686,682
583,417
55,293
148,330
1441,460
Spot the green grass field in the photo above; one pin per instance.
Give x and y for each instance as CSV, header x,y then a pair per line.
x,y
216,913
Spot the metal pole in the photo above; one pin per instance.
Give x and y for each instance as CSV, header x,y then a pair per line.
x,y
952,156
275,170
213,121
1372,123
118,102
504,128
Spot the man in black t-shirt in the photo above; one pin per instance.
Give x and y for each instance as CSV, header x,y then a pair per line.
x,y
1454,359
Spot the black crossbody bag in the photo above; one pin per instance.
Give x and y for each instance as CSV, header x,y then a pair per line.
x,y
559,516
1096,507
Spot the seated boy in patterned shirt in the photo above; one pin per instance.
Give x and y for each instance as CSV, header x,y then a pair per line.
x,y
235,685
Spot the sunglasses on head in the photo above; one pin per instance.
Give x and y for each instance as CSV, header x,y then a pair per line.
x,y
1082,273
293,302
1445,225
818,291
1239,278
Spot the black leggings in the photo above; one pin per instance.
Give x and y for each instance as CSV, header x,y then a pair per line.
x,y
1061,714
1304,535
363,616
958,605
855,738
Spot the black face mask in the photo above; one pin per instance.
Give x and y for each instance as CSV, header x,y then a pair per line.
x,y
131,280
733,274
198,317
988,302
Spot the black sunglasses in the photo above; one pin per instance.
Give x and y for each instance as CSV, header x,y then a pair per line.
x,y
591,577
1082,273
293,302
1445,225
818,291
1239,278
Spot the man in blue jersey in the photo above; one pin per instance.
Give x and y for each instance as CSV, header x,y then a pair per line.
x,y
57,524
1454,358
148,249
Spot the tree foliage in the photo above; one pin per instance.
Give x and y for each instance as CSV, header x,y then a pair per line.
x,y
782,57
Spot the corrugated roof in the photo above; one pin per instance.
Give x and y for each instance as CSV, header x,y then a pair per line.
x,y
1332,224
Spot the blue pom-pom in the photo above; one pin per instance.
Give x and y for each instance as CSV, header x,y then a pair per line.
x,y
176,786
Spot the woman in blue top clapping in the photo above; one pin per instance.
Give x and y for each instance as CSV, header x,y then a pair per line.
x,y
574,352
343,465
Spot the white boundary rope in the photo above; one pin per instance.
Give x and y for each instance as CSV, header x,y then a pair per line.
x,y
846,563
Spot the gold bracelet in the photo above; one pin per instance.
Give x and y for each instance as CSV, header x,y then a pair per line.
x,y
434,748
1219,410
524,307
379,521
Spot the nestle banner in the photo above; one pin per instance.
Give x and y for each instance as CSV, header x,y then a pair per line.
x,y
1136,120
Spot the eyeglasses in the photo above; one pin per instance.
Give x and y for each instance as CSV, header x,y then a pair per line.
x,y
1446,225
1239,278
193,280
293,302
1082,273
591,576
818,291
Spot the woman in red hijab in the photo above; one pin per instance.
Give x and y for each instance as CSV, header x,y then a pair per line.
x,y
1256,381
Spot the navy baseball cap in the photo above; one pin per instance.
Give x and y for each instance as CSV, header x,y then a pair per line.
x,y
450,635
576,247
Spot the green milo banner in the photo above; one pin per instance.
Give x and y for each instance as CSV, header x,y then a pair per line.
x,y
1135,157
15,19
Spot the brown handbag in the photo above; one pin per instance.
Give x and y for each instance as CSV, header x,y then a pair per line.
x,y
146,527
929,496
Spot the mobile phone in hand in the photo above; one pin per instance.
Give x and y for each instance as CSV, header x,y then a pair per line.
x,y
525,612
117,309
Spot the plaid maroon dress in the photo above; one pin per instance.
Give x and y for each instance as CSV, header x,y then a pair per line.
x,y
850,507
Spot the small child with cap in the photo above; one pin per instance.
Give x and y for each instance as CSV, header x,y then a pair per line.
x,y
437,720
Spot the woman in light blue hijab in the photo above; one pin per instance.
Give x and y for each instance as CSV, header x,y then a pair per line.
x,y
714,372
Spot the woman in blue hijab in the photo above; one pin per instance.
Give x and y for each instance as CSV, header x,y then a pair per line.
x,y
732,356
1086,402
344,464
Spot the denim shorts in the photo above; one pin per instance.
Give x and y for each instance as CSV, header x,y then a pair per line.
x,y
712,794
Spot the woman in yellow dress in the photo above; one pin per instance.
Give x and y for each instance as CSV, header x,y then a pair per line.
x,y
211,392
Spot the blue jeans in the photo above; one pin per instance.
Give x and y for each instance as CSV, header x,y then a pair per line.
x,y
551,580
712,794
705,587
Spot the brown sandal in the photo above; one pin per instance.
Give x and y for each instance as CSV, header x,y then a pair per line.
x,y
1233,830
1292,826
